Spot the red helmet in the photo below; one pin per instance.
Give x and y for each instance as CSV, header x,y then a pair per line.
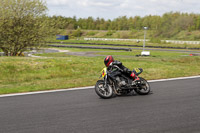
x,y
109,59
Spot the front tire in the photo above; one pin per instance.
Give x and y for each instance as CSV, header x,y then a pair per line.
x,y
102,91
144,87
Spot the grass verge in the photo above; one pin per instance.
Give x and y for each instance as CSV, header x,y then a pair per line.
x,y
60,70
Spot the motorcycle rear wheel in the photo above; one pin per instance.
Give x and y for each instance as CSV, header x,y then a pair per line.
x,y
144,87
102,91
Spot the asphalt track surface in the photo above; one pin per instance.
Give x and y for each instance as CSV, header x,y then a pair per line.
x,y
173,107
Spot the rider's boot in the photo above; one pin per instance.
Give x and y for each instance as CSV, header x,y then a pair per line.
x,y
135,78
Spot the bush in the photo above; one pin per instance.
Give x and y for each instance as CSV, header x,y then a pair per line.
x,y
110,33
91,33
77,33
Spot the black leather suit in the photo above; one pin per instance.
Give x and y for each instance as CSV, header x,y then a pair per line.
x,y
125,70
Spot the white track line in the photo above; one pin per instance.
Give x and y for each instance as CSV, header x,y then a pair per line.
x,y
48,91
88,87
159,80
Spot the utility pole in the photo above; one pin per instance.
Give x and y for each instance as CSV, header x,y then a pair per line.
x,y
145,53
145,32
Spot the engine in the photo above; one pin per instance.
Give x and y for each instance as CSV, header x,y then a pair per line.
x,y
121,82
122,86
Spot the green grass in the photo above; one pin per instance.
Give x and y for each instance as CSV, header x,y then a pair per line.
x,y
60,70
31,74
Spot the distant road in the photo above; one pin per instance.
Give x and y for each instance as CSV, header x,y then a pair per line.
x,y
121,48
174,107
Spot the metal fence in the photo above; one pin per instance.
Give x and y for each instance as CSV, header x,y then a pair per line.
x,y
139,40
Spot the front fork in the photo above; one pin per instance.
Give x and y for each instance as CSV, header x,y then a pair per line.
x,y
105,82
112,84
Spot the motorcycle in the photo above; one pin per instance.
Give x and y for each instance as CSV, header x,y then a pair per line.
x,y
115,82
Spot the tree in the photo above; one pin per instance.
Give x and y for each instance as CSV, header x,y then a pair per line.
x,y
198,23
23,24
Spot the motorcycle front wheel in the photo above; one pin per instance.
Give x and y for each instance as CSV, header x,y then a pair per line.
x,y
102,90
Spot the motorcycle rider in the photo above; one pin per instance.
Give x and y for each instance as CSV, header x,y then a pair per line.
x,y
109,62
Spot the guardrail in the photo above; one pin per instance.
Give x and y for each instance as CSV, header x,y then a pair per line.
x,y
181,42
113,39
139,40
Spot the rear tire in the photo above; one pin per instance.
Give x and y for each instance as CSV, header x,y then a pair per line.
x,y
145,87
103,92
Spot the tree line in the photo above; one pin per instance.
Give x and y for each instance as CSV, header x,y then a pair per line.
x,y
25,24
166,25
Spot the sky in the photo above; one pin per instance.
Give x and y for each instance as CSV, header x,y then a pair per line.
x,y
110,9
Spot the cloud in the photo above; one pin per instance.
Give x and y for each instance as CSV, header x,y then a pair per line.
x,y
93,3
58,2
110,9
84,3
